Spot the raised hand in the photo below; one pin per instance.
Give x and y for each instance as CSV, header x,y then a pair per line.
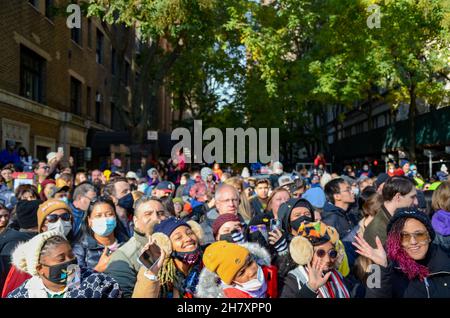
x,y
103,261
316,278
377,255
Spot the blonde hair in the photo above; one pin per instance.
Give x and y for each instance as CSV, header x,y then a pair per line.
x,y
441,197
274,192
245,209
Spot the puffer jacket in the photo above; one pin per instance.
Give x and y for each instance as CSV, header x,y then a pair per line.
x,y
92,285
209,283
395,284
88,251
441,224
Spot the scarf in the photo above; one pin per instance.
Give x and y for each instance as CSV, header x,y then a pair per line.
x,y
333,288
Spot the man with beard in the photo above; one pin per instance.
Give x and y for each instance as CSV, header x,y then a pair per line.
x,y
124,266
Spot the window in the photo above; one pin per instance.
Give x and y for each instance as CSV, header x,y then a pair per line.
x,y
98,107
89,31
76,35
75,96
113,61
88,101
32,68
99,51
34,3
49,9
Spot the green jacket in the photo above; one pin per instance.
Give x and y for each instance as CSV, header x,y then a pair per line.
x,y
123,265
377,227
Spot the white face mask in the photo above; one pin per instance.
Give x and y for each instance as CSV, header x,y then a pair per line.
x,y
254,284
61,226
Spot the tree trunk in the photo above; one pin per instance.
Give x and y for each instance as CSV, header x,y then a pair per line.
x,y
412,123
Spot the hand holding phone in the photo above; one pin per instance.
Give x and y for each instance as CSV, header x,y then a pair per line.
x,y
275,224
152,256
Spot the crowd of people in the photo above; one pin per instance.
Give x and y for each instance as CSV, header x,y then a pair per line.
x,y
178,231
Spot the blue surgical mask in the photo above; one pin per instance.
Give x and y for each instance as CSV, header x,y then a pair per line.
x,y
104,226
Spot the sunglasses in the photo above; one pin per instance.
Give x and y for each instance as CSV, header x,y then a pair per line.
x,y
419,237
331,253
52,218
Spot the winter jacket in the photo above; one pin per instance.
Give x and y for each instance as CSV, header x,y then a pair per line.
x,y
441,224
337,218
78,219
92,285
378,227
395,284
257,206
123,265
295,286
9,239
210,286
88,251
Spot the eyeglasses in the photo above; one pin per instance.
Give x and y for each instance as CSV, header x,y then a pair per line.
x,y
331,253
419,237
52,218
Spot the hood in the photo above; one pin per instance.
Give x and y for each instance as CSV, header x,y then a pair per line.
x,y
315,196
285,210
441,222
208,283
205,172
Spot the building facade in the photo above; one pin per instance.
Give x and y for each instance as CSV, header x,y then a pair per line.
x,y
59,86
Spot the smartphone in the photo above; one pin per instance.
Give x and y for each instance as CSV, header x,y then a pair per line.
x,y
275,224
260,228
108,252
150,256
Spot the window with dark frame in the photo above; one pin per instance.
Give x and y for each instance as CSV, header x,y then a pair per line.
x,y
75,96
49,9
32,70
89,32
76,36
98,107
88,101
113,61
99,50
34,3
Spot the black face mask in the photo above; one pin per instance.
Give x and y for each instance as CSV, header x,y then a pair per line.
x,y
298,221
127,202
235,236
58,273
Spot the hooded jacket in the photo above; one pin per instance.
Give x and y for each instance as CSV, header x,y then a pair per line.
x,y
441,224
208,286
395,284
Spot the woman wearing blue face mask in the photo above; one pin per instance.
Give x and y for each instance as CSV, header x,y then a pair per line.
x,y
102,235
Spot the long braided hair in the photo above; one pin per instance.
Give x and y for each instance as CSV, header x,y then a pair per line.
x,y
397,253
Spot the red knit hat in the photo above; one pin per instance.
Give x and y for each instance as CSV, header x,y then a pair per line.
x,y
222,219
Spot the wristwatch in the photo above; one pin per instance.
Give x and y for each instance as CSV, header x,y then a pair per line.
x,y
151,277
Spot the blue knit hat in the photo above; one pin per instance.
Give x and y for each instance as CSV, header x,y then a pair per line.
x,y
169,225
316,197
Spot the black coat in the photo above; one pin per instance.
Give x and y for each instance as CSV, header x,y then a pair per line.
x,y
395,284
337,218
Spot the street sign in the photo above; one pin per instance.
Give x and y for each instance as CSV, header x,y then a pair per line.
x,y
152,135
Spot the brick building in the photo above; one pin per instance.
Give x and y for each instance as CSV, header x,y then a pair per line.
x,y
58,85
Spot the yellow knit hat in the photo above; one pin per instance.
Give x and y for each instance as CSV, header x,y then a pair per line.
x,y
225,259
47,208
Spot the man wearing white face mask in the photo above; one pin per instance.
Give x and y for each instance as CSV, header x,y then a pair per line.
x,y
55,215
240,269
